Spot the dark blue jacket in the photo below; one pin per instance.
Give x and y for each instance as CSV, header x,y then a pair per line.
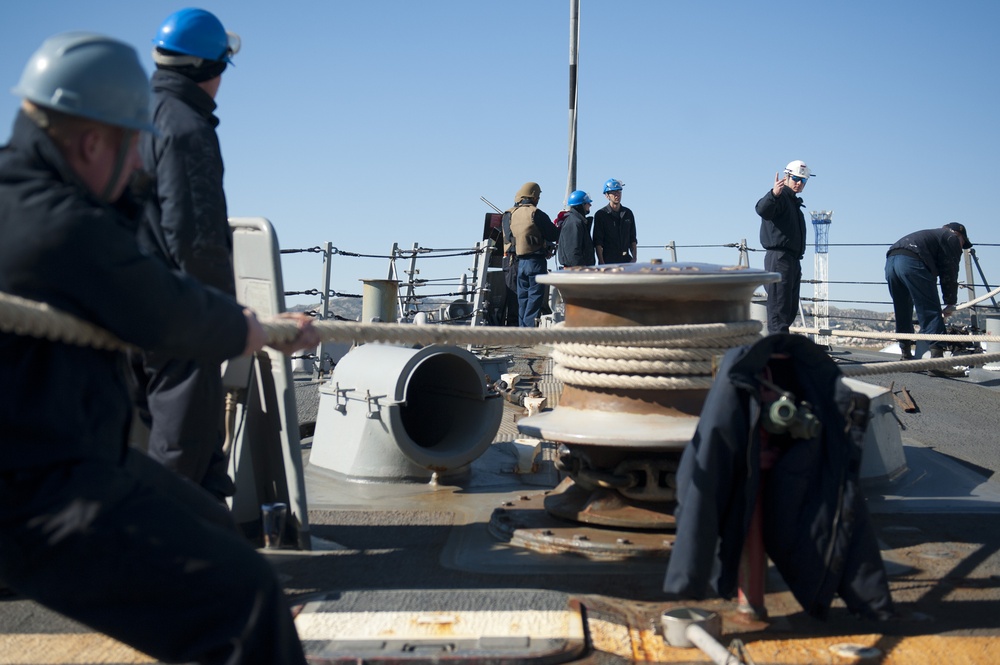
x,y
575,245
817,529
782,224
62,246
941,251
187,223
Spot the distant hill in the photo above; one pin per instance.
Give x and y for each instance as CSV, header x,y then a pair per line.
x,y
347,308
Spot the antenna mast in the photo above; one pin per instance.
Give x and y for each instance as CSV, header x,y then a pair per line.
x,y
574,51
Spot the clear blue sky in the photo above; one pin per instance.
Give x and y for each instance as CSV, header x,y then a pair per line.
x,y
368,123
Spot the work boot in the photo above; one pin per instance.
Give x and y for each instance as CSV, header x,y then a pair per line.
x,y
938,352
907,351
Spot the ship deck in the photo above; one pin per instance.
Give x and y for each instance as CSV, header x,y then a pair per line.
x,y
403,547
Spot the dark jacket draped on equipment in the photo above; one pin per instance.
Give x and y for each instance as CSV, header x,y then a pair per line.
x,y
817,529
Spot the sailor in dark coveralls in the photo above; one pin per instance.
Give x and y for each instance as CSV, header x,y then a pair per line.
x,y
88,527
575,246
614,228
181,400
913,265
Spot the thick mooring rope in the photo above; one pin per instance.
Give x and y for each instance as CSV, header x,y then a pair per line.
x,y
590,354
893,336
870,369
34,319
405,333
29,318
976,301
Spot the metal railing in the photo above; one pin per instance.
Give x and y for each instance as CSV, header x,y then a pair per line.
x,y
422,294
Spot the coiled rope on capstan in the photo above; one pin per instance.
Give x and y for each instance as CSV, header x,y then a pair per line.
x,y
630,381
682,363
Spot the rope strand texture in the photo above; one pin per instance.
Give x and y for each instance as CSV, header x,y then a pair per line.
x,y
861,334
21,316
870,369
680,364
29,318
403,333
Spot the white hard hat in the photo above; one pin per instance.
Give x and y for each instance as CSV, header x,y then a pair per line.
x,y
799,168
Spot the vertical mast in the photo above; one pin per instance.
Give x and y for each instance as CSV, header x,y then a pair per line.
x,y
574,48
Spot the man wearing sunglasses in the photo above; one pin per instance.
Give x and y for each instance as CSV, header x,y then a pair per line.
x,y
783,235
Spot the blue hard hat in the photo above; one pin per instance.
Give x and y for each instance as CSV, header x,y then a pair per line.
x,y
579,197
90,76
197,33
613,186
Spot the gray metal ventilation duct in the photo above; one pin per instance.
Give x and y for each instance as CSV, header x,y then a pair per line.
x,y
393,413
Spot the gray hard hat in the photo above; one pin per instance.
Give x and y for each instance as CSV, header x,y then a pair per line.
x,y
90,76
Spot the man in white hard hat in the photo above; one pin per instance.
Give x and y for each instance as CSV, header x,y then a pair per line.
x,y
783,235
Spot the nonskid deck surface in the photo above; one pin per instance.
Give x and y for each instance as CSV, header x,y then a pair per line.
x,y
422,559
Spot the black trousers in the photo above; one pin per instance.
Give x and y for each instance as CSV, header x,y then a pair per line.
x,y
182,404
510,315
783,295
142,555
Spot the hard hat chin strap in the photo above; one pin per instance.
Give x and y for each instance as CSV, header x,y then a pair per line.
x,y
116,172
